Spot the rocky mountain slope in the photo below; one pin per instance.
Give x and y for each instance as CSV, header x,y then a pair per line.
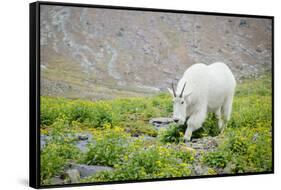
x,y
100,53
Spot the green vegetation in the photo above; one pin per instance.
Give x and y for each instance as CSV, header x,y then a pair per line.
x,y
140,160
145,164
58,151
108,149
243,150
132,114
124,140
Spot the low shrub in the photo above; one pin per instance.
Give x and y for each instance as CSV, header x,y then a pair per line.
x,y
215,159
251,150
173,134
108,149
147,163
238,145
101,114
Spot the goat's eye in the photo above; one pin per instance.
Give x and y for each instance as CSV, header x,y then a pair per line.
x,y
182,102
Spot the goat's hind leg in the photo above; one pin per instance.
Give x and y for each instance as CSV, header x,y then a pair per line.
x,y
220,119
226,110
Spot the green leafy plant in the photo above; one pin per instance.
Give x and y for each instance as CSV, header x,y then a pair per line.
x,y
238,145
173,134
109,149
215,159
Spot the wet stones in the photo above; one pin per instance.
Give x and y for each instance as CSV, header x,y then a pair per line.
x,y
73,173
81,140
88,170
161,122
205,143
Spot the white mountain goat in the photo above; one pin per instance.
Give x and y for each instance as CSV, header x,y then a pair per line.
x,y
202,89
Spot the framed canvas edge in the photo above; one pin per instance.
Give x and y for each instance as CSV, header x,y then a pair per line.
x,y
153,9
34,96
34,92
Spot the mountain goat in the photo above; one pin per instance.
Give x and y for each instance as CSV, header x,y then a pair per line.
x,y
202,89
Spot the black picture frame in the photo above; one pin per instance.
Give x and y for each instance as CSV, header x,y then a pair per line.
x,y
34,93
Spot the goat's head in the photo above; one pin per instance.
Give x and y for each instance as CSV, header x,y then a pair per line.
x,y
179,105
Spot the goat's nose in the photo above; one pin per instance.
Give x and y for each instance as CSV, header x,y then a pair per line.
x,y
176,120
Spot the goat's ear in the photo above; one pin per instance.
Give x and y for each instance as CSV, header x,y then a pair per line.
x,y
186,96
171,91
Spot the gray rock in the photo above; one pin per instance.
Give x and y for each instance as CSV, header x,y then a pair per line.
x,y
259,50
197,146
57,181
161,121
199,170
43,140
244,23
204,144
194,140
82,145
149,138
83,137
73,175
88,170
227,169
82,140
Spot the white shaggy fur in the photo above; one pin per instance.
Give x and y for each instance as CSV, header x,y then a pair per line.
x,y
209,88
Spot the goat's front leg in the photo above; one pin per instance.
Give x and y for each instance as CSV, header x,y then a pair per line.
x,y
188,134
194,122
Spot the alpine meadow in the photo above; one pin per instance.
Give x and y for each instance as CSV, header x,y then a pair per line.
x,y
106,114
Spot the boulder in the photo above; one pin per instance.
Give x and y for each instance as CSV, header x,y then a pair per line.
x,y
199,170
88,170
73,175
84,136
161,121
57,180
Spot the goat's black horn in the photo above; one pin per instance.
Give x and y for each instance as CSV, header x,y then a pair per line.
x,y
173,90
182,90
